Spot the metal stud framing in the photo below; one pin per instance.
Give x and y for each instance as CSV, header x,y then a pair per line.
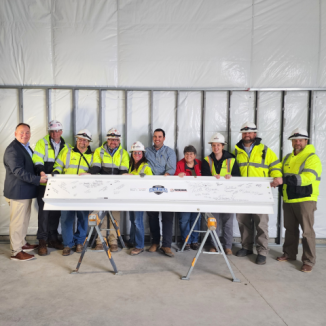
x,y
74,91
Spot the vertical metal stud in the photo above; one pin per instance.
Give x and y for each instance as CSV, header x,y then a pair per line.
x,y
202,126
20,105
278,239
48,104
125,131
74,110
256,108
310,99
100,117
151,118
229,120
176,123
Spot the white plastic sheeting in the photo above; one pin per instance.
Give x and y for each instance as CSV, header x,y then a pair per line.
x,y
163,44
318,139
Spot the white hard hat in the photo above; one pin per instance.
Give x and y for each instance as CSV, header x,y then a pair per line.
x,y
248,127
137,146
299,133
85,134
113,134
217,138
55,125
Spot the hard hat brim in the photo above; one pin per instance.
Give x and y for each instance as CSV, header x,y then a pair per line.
x,y
299,137
211,142
242,131
83,138
139,150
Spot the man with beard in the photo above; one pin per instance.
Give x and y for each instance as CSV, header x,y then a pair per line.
x,y
255,160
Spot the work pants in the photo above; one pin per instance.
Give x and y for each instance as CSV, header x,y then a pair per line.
x,y
67,222
302,214
137,236
20,213
186,221
226,219
48,221
167,225
113,237
246,226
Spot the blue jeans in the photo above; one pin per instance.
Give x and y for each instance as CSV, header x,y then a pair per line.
x,y
67,221
186,220
137,231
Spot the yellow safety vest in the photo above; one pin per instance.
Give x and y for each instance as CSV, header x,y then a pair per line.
x,y
306,167
226,168
71,161
263,162
107,163
44,154
143,169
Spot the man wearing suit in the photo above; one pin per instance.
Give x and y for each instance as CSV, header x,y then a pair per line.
x,y
19,189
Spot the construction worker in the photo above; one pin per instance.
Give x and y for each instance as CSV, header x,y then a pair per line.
x,y
110,159
221,163
76,160
255,160
138,166
162,160
46,151
301,177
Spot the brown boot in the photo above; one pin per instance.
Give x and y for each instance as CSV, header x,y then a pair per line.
x,y
42,249
98,246
66,251
136,251
167,251
55,244
153,247
228,251
79,248
114,247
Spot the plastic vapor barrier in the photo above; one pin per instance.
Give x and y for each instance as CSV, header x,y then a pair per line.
x,y
164,44
318,140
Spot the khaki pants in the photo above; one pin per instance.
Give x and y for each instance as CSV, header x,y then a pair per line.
x,y
20,213
246,226
302,214
113,238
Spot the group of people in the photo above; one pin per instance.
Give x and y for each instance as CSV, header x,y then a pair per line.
x,y
297,176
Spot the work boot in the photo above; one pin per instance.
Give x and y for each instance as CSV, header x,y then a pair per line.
x,y
228,251
114,247
42,249
306,268
212,249
187,247
167,251
283,258
56,244
260,260
66,251
136,251
79,248
194,246
244,252
129,244
99,246
153,247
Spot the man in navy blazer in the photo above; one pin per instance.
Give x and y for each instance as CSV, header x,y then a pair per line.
x,y
19,189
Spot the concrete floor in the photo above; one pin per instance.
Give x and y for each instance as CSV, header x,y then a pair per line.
x,y
150,292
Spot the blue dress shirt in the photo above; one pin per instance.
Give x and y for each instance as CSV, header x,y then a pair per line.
x,y
161,161
28,149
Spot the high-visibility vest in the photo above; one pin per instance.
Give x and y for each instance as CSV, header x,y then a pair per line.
x,y
226,168
262,162
306,167
144,168
70,161
44,154
104,160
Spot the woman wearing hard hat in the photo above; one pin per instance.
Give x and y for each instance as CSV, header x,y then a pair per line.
x,y
221,163
189,166
137,166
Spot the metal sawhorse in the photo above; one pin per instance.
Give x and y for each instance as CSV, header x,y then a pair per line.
x,y
211,230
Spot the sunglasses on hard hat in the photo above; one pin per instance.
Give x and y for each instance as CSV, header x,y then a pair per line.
x,y
248,128
113,135
84,135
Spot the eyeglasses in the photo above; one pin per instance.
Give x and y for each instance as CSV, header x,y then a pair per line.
x,y
116,140
137,153
82,140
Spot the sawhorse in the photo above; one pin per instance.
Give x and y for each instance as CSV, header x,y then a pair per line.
x,y
93,223
115,225
211,230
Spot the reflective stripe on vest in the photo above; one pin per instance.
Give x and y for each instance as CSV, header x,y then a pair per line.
x,y
46,155
142,171
228,164
107,164
301,169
